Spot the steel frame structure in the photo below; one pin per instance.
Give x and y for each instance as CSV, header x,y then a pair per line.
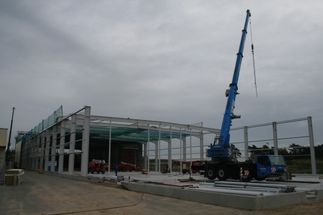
x,y
39,150
276,139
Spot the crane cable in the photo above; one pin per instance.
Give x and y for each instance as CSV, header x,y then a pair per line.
x,y
253,60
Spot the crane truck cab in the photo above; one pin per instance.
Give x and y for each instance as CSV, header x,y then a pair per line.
x,y
270,166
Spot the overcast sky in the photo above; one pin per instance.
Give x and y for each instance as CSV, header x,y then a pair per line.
x,y
162,60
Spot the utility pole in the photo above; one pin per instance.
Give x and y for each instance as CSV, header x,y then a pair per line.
x,y
9,138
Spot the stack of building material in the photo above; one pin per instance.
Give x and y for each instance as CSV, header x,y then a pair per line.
x,y
13,176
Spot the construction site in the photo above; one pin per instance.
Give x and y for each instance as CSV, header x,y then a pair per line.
x,y
82,163
163,158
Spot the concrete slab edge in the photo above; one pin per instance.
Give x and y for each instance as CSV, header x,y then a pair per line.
x,y
83,178
320,195
217,198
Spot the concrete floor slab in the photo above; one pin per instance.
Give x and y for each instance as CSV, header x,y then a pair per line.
x,y
53,194
240,200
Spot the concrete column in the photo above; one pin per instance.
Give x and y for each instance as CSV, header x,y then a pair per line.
x,y
170,167
201,146
71,156
32,153
35,153
42,150
34,141
26,155
145,155
85,141
29,155
53,155
156,156
180,152
61,148
47,151
190,144
159,163
275,138
109,161
148,140
38,152
312,148
184,148
246,142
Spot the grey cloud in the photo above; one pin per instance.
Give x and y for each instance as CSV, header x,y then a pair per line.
x,y
166,60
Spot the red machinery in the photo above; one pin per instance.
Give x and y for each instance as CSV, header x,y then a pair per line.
x,y
97,166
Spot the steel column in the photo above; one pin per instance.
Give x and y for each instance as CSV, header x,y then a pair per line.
x,y
190,144
312,147
145,155
201,146
38,152
109,161
180,152
246,144
42,150
85,141
53,154
148,140
61,149
71,156
47,151
275,138
159,134
170,167
184,148
156,156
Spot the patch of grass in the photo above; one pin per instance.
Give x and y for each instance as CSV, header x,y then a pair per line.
x,y
304,165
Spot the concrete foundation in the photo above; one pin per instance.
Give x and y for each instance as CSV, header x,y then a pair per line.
x,y
249,202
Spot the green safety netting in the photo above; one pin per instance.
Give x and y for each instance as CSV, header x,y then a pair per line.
x,y
132,134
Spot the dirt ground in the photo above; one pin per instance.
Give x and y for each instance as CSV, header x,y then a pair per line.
x,y
45,194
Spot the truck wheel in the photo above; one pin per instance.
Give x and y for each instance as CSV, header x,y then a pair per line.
x,y
210,174
222,174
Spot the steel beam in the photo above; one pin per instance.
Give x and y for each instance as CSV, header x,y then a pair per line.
x,y
141,123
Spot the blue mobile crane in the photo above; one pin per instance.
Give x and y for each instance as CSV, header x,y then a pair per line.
x,y
222,164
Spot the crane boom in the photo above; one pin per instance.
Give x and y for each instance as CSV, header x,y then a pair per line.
x,y
224,164
221,146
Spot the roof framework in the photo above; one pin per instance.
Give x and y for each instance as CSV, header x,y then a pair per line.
x,y
128,129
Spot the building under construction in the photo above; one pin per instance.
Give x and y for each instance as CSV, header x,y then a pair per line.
x,y
66,144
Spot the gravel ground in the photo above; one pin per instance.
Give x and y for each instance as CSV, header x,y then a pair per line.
x,y
45,194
